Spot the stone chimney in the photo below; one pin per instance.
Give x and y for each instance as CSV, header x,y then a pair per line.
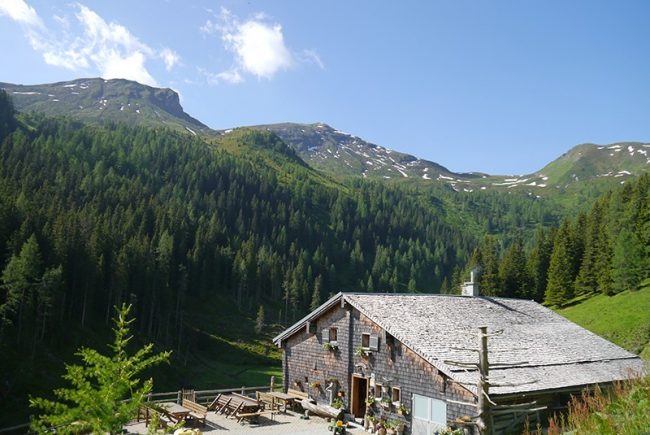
x,y
470,288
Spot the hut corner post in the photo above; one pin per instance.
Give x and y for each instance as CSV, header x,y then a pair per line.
x,y
484,421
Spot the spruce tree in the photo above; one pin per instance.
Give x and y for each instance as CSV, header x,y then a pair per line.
x,y
538,263
560,273
105,392
513,273
628,261
315,297
260,320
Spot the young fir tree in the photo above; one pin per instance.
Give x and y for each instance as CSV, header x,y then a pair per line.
x,y
489,282
315,296
587,279
259,321
560,271
538,262
513,273
105,392
628,261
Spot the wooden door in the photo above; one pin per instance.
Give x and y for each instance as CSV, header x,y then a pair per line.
x,y
358,395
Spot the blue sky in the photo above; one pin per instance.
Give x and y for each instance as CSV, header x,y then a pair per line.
x,y
494,86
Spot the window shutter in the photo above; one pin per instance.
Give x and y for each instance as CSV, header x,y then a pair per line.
x,y
325,334
374,343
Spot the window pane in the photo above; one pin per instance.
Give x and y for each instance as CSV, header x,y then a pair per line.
x,y
365,340
333,334
420,407
438,411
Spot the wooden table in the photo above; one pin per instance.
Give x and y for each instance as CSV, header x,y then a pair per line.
x,y
286,399
176,410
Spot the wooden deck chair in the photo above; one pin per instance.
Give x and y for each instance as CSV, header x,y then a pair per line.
x,y
235,410
224,406
214,403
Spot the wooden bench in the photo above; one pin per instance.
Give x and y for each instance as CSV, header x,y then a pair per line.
x,y
197,413
299,395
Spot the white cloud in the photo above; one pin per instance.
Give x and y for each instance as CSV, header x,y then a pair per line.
x,y
92,46
231,76
258,47
20,11
313,57
170,57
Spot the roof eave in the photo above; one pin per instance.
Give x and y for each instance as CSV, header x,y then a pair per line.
x,y
314,314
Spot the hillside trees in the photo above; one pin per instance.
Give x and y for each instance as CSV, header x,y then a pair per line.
x,y
7,119
161,219
605,250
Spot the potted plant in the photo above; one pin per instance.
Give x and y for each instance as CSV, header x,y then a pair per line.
x,y
337,403
329,346
370,400
372,422
362,352
385,402
381,427
391,426
402,409
315,385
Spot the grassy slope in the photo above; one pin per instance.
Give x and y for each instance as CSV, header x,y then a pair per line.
x,y
623,319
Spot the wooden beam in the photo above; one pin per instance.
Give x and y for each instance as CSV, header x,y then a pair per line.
x,y
458,402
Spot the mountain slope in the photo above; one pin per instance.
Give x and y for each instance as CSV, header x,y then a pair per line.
x,y
582,173
340,153
589,161
623,318
95,100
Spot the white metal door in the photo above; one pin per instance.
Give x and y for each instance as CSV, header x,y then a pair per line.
x,y
429,415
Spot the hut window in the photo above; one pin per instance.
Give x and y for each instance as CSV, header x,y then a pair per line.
x,y
333,335
374,343
378,390
365,341
396,393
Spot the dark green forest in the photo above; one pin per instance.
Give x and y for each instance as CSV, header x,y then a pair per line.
x,y
94,216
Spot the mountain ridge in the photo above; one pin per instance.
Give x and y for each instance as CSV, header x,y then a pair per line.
x,y
323,146
96,99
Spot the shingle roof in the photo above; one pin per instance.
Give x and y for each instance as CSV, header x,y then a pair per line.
x,y
551,351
